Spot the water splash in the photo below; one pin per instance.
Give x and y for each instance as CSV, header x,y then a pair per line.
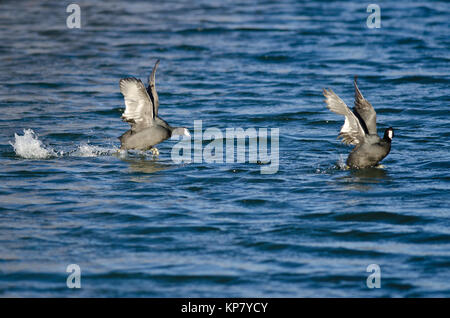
x,y
341,164
327,168
86,150
30,147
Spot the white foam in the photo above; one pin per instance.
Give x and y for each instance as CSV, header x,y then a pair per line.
x,y
86,150
30,147
342,164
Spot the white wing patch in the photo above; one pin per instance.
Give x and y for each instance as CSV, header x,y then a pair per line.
x,y
351,132
138,106
346,127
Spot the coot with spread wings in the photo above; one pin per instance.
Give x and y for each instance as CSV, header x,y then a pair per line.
x,y
360,129
141,112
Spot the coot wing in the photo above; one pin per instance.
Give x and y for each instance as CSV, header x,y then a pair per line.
x,y
151,90
351,132
365,111
138,106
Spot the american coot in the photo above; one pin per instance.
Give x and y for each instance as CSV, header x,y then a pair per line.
x,y
141,112
360,129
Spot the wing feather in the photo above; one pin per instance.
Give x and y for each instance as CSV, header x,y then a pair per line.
x,y
151,90
138,106
365,110
351,132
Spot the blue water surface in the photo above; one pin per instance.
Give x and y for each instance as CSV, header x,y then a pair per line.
x,y
149,227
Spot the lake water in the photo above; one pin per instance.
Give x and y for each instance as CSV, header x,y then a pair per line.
x,y
139,226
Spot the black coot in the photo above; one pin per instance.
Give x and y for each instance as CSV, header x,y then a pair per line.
x,y
141,112
360,129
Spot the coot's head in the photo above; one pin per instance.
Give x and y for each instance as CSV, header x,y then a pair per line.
x,y
389,134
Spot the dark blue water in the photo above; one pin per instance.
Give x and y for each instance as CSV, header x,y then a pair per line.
x,y
139,226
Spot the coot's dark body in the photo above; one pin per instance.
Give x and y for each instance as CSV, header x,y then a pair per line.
x,y
370,153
